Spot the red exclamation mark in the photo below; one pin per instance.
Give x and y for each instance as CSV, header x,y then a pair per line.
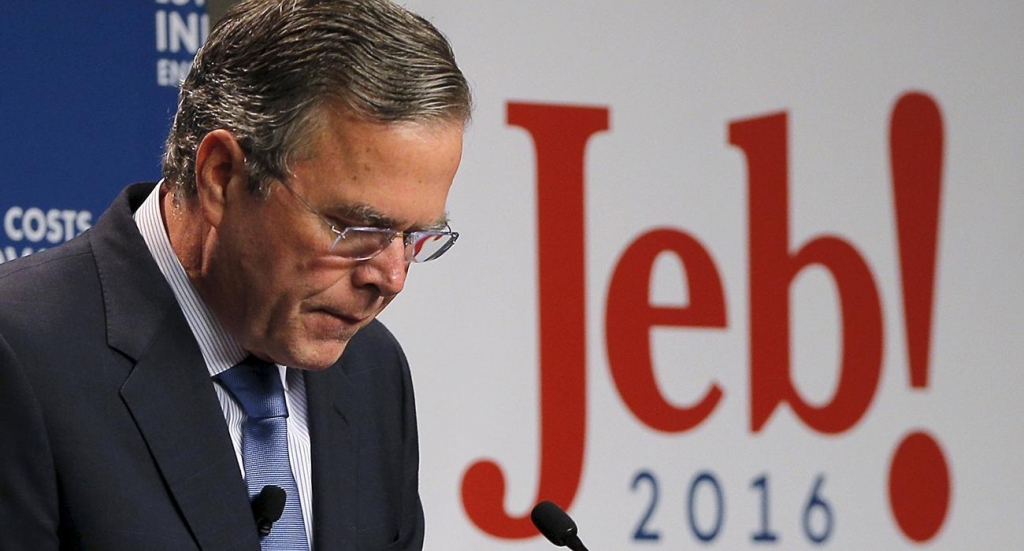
x,y
919,477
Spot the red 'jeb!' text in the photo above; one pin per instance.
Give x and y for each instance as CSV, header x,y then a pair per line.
x,y
560,134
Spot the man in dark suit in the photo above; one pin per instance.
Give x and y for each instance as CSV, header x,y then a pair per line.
x,y
308,165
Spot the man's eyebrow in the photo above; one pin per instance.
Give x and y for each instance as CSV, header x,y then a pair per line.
x,y
367,215
362,214
439,224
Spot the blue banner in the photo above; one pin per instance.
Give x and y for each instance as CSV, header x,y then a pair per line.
x,y
88,97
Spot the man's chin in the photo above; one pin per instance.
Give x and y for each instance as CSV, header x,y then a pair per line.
x,y
314,356
321,359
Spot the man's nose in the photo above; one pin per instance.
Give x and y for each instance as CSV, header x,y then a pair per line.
x,y
387,270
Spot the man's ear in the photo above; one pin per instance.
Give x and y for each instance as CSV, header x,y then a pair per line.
x,y
220,164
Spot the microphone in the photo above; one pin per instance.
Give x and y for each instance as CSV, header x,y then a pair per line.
x,y
556,526
267,507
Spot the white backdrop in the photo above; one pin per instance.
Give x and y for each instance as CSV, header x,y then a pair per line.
x,y
754,389
673,79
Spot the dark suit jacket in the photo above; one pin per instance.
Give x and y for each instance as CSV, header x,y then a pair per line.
x,y
111,435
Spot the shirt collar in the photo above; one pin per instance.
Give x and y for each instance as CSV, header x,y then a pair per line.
x,y
219,349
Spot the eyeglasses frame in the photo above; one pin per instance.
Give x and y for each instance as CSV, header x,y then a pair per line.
x,y
409,238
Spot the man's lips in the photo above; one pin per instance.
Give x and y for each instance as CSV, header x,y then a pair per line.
x,y
346,318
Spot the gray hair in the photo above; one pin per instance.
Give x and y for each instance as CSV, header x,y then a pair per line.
x,y
270,66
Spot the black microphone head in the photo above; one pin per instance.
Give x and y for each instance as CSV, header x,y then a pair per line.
x,y
554,523
269,504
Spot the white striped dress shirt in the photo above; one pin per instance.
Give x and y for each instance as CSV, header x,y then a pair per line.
x,y
222,352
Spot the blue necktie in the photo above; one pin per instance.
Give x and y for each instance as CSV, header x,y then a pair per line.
x,y
256,386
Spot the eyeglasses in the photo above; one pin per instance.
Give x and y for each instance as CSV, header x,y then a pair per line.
x,y
364,243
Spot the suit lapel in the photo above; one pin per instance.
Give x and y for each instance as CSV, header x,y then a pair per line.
x,y
333,455
175,407
169,392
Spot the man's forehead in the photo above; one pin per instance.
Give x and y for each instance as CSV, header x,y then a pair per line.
x,y
394,175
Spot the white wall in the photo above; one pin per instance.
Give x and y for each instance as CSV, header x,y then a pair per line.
x,y
673,77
